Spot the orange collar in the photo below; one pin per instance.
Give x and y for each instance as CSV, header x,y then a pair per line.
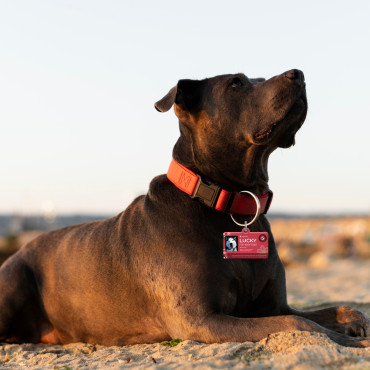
x,y
215,196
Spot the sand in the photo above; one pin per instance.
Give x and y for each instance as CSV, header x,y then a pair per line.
x,y
345,281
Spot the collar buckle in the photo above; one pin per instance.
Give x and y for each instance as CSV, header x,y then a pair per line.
x,y
207,194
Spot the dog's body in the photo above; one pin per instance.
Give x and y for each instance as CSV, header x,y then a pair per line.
x,y
156,271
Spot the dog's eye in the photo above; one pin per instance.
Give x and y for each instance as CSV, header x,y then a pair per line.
x,y
236,82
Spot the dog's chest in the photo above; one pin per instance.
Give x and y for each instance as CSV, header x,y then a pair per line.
x,y
248,281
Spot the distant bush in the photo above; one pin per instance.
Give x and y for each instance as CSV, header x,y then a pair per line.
x,y
11,242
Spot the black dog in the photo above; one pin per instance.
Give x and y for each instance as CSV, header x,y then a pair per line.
x,y
156,271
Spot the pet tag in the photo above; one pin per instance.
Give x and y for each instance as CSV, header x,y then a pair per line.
x,y
246,244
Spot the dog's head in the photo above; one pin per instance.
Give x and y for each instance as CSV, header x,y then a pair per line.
x,y
224,118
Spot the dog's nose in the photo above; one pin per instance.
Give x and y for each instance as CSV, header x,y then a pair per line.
x,y
295,74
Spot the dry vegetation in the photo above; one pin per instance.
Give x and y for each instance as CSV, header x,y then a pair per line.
x,y
319,241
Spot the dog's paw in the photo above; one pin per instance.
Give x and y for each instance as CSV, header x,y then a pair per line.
x,y
352,322
357,342
348,341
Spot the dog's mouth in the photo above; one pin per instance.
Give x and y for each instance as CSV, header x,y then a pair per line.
x,y
265,133
289,124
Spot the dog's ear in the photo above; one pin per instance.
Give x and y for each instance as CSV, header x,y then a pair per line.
x,y
167,101
186,94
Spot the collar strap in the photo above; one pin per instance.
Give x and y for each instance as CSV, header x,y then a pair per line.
x,y
215,196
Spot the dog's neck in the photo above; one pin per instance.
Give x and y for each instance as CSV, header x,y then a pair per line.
x,y
248,171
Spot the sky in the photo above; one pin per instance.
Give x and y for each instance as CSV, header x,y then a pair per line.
x,y
78,80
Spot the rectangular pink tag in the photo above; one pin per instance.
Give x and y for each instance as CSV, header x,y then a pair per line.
x,y
246,245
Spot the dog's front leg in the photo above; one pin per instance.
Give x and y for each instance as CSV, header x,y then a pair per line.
x,y
216,328
341,319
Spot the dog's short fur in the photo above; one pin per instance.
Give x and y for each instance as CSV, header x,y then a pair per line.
x,y
156,271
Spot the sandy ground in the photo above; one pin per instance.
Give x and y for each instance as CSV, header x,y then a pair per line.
x,y
342,281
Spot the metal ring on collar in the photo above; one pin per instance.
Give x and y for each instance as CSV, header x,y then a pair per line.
x,y
257,212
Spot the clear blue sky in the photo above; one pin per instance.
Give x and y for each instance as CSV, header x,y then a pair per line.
x,y
78,80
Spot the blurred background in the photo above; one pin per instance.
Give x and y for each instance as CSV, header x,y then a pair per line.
x,y
80,137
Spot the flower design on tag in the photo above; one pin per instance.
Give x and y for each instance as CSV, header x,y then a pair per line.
x,y
262,249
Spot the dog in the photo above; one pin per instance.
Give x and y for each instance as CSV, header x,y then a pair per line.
x,y
155,271
231,245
